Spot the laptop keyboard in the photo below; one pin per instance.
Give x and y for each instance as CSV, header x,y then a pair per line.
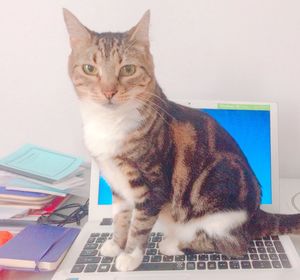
x,y
266,253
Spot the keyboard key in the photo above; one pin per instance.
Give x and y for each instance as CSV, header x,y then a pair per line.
x,y
91,240
225,258
283,257
234,264
190,266
103,267
273,257
155,259
215,257
203,257
259,243
151,245
244,258
151,252
107,260
278,246
253,250
211,265
82,260
222,265
106,222
267,238
77,268
286,264
261,250
191,258
180,258
275,237
146,258
254,257
90,246
89,253
276,264
264,257
168,258
161,266
261,264
201,265
105,234
268,243
271,250
251,243
101,239
245,264
156,239
91,267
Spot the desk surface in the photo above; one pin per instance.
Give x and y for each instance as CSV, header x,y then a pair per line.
x,y
288,187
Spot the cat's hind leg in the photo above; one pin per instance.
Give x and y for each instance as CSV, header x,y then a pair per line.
x,y
169,246
233,245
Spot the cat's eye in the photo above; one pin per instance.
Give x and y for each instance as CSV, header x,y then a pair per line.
x,y
128,70
89,69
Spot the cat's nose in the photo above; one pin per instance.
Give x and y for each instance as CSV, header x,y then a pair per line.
x,y
109,93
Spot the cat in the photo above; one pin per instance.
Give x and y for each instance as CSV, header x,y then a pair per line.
x,y
162,160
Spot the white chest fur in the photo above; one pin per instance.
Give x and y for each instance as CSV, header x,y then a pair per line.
x,y
105,130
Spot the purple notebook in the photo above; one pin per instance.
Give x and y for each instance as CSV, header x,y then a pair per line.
x,y
4,191
37,247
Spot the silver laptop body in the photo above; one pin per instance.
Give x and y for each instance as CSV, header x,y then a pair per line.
x,y
273,257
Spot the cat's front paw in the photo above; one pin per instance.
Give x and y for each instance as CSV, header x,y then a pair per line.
x,y
169,247
127,262
110,249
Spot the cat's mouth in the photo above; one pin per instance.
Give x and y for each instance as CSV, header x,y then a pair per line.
x,y
110,104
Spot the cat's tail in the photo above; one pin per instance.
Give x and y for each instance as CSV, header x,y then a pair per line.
x,y
264,224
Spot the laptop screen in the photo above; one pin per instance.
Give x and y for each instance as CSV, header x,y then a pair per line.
x,y
250,126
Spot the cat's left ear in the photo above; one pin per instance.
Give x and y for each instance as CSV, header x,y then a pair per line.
x,y
79,34
140,32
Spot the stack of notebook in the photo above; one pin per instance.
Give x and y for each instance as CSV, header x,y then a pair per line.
x,y
36,180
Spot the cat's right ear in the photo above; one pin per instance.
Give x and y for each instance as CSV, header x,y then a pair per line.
x,y
79,34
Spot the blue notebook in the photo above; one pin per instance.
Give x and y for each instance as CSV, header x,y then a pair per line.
x,y
40,163
37,247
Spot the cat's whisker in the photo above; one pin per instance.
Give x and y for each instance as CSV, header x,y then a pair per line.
x,y
153,109
155,95
143,102
158,106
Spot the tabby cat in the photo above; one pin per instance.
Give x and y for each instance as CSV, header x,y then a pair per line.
x,y
162,160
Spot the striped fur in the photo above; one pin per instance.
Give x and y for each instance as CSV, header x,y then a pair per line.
x,y
163,160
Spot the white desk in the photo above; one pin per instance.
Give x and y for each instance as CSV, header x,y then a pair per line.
x,y
288,188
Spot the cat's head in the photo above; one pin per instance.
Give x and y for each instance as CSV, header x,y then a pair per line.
x,y
110,68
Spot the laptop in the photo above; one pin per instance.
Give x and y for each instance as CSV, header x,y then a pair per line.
x,y
254,127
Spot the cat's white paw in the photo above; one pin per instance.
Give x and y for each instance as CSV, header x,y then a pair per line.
x,y
110,249
169,247
127,262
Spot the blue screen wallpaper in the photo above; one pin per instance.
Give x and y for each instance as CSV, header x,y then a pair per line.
x,y
251,130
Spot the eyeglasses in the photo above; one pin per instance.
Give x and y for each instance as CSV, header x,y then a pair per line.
x,y
62,215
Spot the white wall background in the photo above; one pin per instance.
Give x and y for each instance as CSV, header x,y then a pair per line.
x,y
247,50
